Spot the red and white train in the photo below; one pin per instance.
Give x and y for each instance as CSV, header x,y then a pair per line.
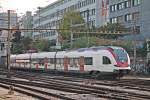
x,y
102,59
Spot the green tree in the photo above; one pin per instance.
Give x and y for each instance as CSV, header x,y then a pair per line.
x,y
142,52
70,19
113,27
41,45
85,42
27,43
17,48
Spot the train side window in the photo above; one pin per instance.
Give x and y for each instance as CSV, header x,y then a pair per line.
x,y
52,60
58,61
88,61
71,62
106,60
61,61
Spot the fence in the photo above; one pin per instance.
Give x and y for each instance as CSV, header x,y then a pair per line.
x,y
141,66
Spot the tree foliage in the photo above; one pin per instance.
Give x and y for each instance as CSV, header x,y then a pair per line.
x,y
81,42
16,48
112,27
70,19
142,52
27,43
42,45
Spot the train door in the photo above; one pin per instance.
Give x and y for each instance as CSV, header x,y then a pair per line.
x,y
106,64
45,63
81,64
66,63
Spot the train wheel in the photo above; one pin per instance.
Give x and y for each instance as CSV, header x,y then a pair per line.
x,y
99,75
91,72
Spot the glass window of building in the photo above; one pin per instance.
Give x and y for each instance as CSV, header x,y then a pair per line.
x,y
120,6
135,16
93,1
93,11
136,2
120,19
113,20
112,9
115,7
127,3
128,17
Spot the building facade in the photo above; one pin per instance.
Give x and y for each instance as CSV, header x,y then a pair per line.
x,y
50,16
4,19
133,14
125,12
27,23
130,13
145,19
4,33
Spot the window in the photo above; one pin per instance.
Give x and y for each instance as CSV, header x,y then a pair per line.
x,y
88,61
120,19
113,8
93,11
135,16
136,2
113,20
128,17
120,6
127,3
106,60
52,60
93,1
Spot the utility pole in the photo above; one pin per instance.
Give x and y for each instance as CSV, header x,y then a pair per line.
x,y
134,43
87,27
147,57
8,46
39,8
71,35
147,48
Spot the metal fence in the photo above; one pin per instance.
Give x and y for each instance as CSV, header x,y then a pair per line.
x,y
141,66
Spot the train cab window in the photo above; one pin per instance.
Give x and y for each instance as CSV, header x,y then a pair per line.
x,y
88,61
106,60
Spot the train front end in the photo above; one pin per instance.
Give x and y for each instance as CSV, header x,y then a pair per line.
x,y
122,64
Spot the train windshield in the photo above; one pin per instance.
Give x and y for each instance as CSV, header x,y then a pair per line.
x,y
121,55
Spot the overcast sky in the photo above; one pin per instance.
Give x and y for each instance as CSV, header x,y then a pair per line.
x,y
21,6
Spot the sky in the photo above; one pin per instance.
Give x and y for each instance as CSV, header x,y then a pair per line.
x,y
21,6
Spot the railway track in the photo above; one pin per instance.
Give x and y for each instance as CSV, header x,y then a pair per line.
x,y
80,89
75,85
33,92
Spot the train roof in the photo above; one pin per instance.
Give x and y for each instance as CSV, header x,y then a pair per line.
x,y
23,56
95,48
89,51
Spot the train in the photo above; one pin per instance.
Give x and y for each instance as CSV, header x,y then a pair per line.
x,y
100,60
